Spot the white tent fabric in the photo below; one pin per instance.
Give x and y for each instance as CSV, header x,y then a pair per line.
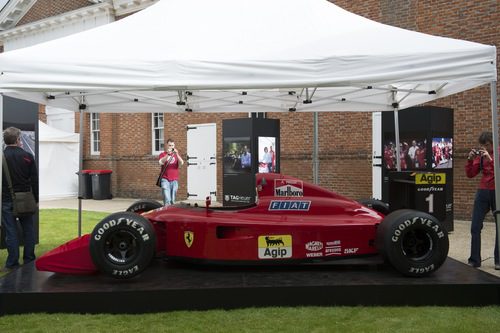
x,y
58,159
248,56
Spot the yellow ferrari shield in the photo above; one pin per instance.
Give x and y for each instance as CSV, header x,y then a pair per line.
x,y
188,238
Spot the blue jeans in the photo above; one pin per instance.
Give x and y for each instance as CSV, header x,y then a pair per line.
x,y
483,203
9,224
169,190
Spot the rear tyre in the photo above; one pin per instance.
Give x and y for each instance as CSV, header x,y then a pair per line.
x,y
414,243
376,205
144,205
122,245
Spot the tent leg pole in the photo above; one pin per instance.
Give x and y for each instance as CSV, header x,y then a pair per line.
x,y
494,120
315,149
80,172
1,124
396,131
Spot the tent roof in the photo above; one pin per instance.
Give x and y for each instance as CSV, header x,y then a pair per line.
x,y
52,134
248,56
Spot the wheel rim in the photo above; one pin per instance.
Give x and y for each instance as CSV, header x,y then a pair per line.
x,y
417,245
121,247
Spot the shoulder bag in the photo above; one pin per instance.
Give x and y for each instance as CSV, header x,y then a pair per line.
x,y
23,203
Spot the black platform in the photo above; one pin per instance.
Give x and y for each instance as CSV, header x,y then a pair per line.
x,y
173,286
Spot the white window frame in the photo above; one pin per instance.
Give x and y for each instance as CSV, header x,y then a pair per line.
x,y
157,133
95,134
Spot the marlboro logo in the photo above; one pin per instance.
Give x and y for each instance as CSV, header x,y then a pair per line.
x,y
288,188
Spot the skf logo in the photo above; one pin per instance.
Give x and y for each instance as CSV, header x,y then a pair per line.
x,y
430,178
188,238
288,188
275,246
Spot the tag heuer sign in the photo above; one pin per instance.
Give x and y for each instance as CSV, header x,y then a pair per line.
x,y
288,188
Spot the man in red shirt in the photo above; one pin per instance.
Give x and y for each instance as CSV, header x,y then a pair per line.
x,y
171,160
481,161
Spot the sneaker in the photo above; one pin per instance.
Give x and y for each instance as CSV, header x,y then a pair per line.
x,y
473,264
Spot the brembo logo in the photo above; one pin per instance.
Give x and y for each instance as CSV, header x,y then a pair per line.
x,y
288,188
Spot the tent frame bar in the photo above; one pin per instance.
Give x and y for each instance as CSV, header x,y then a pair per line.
x,y
496,158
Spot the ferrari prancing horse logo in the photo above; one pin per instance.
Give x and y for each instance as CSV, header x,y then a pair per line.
x,y
188,238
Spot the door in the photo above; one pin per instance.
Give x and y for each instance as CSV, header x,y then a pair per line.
x,y
201,161
377,155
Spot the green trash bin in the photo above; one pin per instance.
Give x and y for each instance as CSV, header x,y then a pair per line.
x,y
101,184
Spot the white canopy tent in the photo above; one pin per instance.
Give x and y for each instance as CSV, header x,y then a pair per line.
x,y
58,162
247,56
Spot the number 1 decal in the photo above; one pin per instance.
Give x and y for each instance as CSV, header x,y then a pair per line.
x,y
430,199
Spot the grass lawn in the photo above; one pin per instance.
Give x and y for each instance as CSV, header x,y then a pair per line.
x,y
60,225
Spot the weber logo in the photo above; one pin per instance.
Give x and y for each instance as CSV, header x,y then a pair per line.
x,y
288,188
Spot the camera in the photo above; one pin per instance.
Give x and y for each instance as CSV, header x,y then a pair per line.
x,y
476,151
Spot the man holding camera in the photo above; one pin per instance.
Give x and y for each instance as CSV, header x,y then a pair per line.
x,y
480,160
170,160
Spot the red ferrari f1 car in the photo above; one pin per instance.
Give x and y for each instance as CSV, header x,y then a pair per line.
x,y
292,221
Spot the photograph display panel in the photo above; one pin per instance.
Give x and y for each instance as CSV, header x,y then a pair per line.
x,y
412,153
237,155
267,154
442,153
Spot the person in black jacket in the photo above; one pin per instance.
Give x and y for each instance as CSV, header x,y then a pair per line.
x,y
24,177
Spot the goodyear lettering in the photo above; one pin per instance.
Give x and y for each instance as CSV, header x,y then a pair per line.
x,y
430,178
423,221
126,272
114,223
402,227
421,270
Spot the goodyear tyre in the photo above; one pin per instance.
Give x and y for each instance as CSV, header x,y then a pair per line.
x,y
122,245
144,205
414,243
376,205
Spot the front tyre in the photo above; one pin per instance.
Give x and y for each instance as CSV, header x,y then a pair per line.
x,y
414,243
122,245
144,205
376,205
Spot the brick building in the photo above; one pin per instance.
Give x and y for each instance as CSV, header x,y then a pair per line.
x,y
125,143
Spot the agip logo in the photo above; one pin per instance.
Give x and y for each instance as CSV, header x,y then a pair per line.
x,y
275,246
288,188
430,178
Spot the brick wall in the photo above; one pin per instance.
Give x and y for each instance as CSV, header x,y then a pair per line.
x,y
469,20
345,138
47,8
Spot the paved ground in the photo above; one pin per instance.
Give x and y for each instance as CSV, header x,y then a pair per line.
x,y
459,238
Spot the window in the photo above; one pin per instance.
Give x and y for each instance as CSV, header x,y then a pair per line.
x,y
95,134
157,135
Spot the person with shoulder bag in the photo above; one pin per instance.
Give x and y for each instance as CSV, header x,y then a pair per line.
x,y
19,198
